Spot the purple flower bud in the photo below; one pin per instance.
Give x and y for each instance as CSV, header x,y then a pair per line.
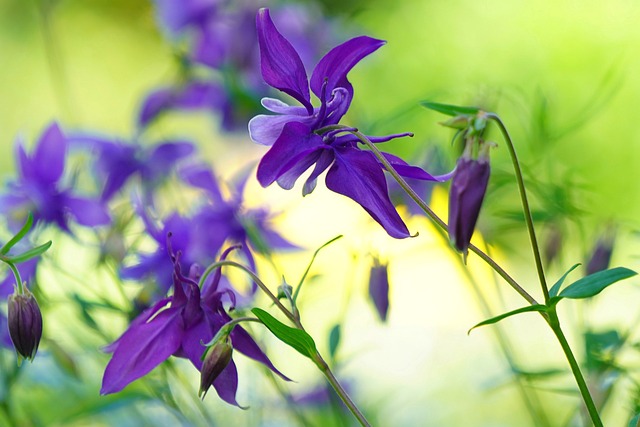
x,y
468,186
216,359
379,289
601,257
25,324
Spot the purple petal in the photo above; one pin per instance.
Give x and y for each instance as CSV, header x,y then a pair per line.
x,y
226,384
243,342
295,142
87,212
337,63
192,342
357,175
49,155
266,129
142,348
415,172
177,14
281,65
379,289
165,155
323,162
201,176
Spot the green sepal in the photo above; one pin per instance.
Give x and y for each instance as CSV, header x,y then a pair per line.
x,y
15,239
594,283
556,288
296,338
31,253
450,110
529,308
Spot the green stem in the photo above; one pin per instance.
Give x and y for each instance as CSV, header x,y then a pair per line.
x,y
344,396
525,204
554,323
435,218
16,274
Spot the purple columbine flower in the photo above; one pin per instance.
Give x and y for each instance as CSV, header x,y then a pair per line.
x,y
117,162
296,134
468,187
601,256
379,288
39,188
179,326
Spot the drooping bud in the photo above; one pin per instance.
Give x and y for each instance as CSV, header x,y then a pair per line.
x,y
601,256
379,288
468,187
215,359
25,324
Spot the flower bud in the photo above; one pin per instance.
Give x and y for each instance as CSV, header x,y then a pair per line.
x,y
601,256
379,289
468,187
215,359
25,324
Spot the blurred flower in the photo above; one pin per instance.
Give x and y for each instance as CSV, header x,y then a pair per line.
x,y
379,288
38,188
296,144
25,323
116,162
601,255
177,326
468,187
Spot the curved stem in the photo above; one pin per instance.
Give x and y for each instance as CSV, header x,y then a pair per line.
x,y
525,204
554,323
16,274
435,218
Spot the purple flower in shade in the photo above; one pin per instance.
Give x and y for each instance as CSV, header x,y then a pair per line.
x,y
178,326
38,188
379,288
176,15
601,256
468,187
292,133
117,161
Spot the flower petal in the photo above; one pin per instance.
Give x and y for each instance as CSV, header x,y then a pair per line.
x,y
201,176
295,142
226,384
86,211
142,348
48,158
337,63
357,175
281,65
243,342
405,169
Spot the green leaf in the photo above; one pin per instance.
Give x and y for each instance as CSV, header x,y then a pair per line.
x,y
535,307
15,239
594,283
31,253
556,288
334,339
299,340
449,110
635,421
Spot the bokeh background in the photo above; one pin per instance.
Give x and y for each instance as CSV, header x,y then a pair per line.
x,y
561,74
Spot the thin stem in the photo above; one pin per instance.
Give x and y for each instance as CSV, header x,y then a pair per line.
x,y
525,204
255,278
16,274
554,323
435,218
322,365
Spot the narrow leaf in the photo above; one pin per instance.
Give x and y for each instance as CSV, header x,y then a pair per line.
x,y
556,288
299,340
334,340
536,307
15,239
31,253
594,283
449,110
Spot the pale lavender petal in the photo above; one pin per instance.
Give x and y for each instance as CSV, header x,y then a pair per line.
x,y
142,348
357,175
266,129
165,155
281,65
337,63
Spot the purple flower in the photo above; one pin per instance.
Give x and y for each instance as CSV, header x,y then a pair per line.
x,y
39,189
468,187
379,288
178,326
27,271
601,256
117,161
294,137
25,323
